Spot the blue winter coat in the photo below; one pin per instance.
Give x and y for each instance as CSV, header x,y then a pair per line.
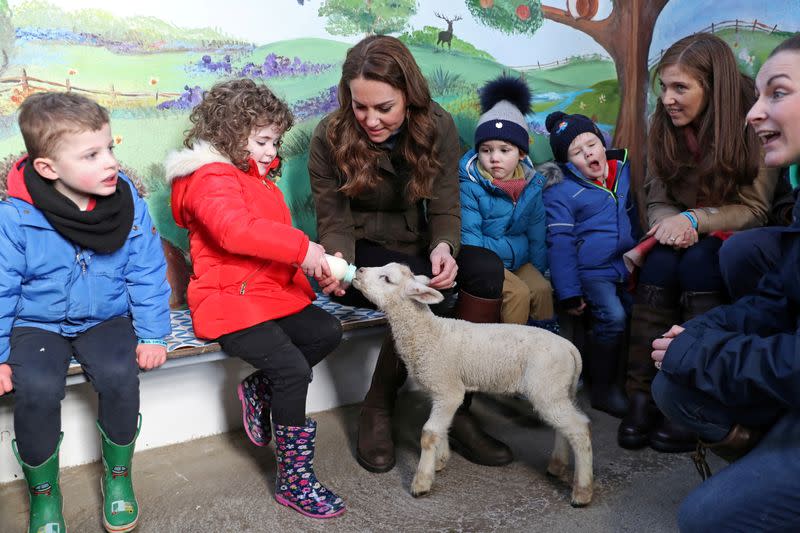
x,y
515,231
588,226
747,353
50,283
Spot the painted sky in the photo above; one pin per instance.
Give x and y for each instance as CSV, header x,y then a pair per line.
x,y
268,21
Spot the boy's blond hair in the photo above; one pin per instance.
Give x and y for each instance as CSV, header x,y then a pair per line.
x,y
44,119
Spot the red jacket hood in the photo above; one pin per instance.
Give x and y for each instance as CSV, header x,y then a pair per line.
x,y
15,181
182,164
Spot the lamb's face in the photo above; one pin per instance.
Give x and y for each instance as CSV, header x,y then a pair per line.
x,y
380,285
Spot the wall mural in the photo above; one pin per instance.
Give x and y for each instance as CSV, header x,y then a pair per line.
x,y
149,63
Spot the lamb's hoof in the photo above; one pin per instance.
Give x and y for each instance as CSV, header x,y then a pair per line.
x,y
581,496
441,462
556,468
420,488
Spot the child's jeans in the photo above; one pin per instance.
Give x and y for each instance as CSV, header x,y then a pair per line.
x,y
39,360
760,491
610,305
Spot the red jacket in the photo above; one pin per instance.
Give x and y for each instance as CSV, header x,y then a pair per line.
x,y
244,249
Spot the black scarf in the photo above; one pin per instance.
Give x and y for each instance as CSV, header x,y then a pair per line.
x,y
104,229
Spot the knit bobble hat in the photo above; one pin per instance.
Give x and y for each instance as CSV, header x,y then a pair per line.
x,y
504,103
564,128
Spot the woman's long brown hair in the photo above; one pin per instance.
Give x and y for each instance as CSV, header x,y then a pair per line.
x,y
385,59
730,151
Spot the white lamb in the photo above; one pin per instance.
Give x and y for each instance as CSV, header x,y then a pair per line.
x,y
449,357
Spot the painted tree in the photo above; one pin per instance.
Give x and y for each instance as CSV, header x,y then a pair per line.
x,y
626,35
6,35
514,17
357,17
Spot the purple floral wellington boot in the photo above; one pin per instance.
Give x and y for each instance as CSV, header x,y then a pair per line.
x,y
296,485
255,394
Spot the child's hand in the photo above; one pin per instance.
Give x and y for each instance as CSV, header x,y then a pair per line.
x,y
329,284
314,264
150,356
577,311
5,379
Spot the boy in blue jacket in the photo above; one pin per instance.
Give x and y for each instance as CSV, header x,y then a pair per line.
x,y
590,224
501,202
82,274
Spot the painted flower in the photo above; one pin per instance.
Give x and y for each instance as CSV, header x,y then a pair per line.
x,y
523,12
153,81
72,71
118,139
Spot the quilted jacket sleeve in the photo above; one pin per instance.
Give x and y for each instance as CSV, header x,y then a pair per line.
x,y
12,267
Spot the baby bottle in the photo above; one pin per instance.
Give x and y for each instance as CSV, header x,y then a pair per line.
x,y
341,269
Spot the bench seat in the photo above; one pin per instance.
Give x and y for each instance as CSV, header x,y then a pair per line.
x,y
182,343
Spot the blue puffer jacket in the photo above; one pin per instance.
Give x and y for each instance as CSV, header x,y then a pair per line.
x,y
49,283
490,219
588,226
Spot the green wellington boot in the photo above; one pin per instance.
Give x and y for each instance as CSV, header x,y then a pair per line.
x,y
120,508
45,494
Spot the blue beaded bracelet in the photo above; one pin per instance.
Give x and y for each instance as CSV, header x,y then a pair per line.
x,y
691,218
160,342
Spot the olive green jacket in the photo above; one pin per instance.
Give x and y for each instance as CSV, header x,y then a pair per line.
x,y
384,215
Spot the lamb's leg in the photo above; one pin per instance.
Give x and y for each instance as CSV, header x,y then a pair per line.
x,y
434,432
574,425
560,457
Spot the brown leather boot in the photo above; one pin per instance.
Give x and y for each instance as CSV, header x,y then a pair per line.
x,y
736,444
655,310
696,303
375,447
466,436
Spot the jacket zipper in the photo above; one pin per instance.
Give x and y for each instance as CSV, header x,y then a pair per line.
x,y
248,278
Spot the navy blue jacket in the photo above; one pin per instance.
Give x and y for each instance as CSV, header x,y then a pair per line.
x,y
748,353
588,226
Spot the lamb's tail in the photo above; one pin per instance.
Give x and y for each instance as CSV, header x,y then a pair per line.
x,y
576,357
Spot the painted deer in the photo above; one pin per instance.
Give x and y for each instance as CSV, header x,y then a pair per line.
x,y
447,36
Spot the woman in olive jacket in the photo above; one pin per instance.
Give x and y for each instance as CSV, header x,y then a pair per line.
x,y
384,174
706,180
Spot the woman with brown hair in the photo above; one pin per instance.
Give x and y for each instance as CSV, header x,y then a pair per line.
x,y
705,180
384,174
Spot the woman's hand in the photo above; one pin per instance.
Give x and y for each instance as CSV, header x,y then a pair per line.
x,y
661,345
669,230
443,266
329,284
314,264
689,238
5,379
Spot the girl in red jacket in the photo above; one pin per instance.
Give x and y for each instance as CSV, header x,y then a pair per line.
x,y
249,290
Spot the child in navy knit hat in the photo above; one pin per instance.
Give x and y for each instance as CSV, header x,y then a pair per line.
x,y
501,202
591,222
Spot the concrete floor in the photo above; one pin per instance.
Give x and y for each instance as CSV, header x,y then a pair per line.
x,y
224,484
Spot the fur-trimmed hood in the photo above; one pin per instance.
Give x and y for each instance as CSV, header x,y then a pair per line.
x,y
185,162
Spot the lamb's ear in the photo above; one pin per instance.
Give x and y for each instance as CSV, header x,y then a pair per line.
x,y
425,280
420,292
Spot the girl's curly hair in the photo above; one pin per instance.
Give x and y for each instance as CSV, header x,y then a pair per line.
x,y
230,111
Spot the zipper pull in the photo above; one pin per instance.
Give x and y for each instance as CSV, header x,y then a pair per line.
x,y
241,289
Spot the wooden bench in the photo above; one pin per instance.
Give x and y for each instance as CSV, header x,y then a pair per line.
x,y
184,348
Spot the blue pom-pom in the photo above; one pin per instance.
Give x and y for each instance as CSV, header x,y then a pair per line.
x,y
509,88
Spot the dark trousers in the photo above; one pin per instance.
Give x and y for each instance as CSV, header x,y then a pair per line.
x,y
694,269
480,271
39,360
285,349
747,256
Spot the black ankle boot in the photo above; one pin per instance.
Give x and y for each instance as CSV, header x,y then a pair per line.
x,y
636,426
672,438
